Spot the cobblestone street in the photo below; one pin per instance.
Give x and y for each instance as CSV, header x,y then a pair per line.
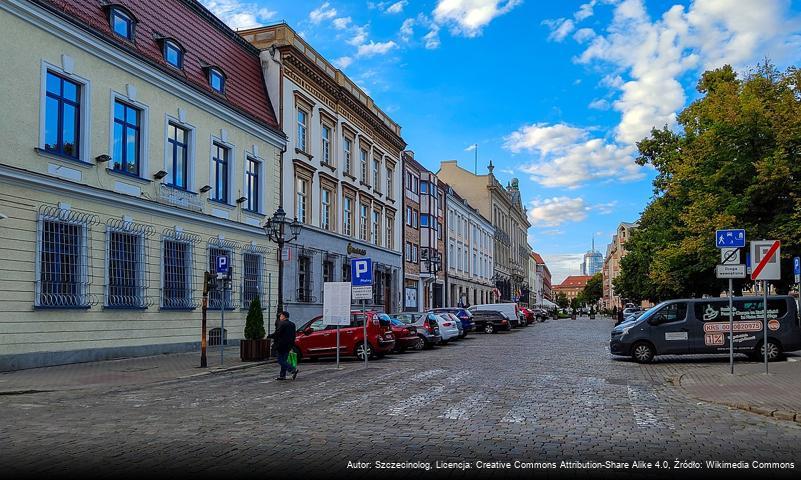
x,y
549,392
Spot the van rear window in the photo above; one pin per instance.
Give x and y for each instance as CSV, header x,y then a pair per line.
x,y
718,310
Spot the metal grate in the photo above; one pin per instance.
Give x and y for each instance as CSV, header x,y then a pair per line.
x,y
63,265
127,276
177,280
251,278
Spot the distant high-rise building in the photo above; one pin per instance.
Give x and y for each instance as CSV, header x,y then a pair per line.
x,y
593,261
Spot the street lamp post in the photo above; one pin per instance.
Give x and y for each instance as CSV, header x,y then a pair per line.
x,y
276,233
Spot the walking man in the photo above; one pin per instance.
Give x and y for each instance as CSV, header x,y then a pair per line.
x,y
284,337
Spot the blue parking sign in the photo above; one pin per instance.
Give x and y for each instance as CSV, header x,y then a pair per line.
x,y
222,264
361,272
797,266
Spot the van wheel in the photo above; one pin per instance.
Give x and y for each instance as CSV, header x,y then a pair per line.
x,y
360,351
774,351
489,328
643,352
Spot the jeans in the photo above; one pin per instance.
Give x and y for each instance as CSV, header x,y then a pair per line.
x,y
284,362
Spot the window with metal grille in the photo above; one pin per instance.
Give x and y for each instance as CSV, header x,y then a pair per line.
x,y
216,296
177,275
251,278
126,286
63,272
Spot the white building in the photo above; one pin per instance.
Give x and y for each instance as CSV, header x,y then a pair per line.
x,y
470,260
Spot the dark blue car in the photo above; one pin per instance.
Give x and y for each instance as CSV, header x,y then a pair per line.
x,y
463,315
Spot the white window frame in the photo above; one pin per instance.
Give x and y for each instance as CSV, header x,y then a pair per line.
x,y
85,135
262,180
231,169
191,146
144,128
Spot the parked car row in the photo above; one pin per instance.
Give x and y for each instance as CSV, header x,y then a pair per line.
x,y
404,331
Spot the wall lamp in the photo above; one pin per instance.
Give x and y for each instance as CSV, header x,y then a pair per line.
x,y
102,158
160,174
241,199
205,188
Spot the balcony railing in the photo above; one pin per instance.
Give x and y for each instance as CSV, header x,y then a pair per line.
x,y
179,198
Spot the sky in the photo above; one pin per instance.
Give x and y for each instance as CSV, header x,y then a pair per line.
x,y
555,94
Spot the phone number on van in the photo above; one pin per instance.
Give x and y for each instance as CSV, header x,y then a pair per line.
x,y
715,327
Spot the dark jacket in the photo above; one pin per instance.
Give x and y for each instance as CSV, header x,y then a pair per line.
x,y
284,336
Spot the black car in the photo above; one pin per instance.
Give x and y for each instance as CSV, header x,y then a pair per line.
x,y
427,329
490,321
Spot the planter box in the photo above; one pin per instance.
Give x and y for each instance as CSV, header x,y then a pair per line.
x,y
254,350
573,316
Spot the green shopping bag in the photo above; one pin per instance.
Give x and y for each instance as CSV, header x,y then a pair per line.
x,y
292,359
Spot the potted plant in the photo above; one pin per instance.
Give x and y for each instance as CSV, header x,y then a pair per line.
x,y
254,347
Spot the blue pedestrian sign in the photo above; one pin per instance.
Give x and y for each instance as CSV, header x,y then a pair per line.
x,y
222,264
730,238
361,272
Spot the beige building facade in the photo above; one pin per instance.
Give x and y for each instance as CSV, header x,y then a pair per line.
x,y
130,164
504,208
615,252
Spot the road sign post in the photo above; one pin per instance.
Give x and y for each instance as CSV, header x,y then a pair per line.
x,y
730,242
336,306
766,255
223,276
361,277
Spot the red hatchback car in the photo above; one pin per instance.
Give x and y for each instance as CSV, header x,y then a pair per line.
x,y
315,340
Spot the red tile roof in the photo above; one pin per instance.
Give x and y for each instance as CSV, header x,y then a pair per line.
x,y
207,42
538,258
574,281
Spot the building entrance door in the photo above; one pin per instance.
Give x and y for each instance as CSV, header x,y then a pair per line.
x,y
438,303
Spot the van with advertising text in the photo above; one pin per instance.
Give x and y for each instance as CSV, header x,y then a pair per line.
x,y
701,325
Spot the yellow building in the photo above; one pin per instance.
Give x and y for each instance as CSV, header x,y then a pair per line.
x,y
138,147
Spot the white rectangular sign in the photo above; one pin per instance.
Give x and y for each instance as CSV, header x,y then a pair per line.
x,y
731,271
766,260
336,303
364,292
730,256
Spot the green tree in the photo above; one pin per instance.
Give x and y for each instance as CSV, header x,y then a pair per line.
x,y
594,289
561,300
254,324
735,162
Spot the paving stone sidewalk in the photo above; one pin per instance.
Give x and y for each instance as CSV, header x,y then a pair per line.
x,y
777,394
121,372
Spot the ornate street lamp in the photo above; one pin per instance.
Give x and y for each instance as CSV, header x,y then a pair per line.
x,y
275,228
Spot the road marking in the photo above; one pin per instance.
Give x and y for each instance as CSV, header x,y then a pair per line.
x,y
645,416
524,410
411,405
461,410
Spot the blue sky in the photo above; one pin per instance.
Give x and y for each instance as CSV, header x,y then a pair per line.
x,y
554,93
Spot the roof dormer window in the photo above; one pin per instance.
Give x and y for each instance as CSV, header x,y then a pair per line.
x,y
173,53
122,22
217,80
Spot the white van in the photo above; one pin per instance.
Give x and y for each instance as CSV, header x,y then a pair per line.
x,y
509,309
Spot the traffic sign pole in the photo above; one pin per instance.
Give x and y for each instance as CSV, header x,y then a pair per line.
x,y
364,321
765,306
731,328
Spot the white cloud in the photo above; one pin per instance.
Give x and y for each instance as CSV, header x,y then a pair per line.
x,y
469,17
552,233
605,209
323,12
552,212
561,265
583,35
642,61
238,14
560,28
599,104
470,148
358,35
342,23
431,39
407,30
568,156
343,62
396,7
375,48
